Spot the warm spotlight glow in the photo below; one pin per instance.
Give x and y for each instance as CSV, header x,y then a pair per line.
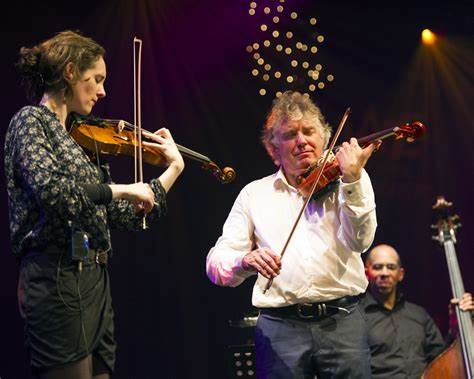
x,y
428,37
275,33
262,91
254,72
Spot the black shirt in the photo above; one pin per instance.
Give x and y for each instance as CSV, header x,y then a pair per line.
x,y
402,341
50,180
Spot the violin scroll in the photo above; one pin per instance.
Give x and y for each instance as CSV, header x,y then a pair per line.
x,y
225,175
410,131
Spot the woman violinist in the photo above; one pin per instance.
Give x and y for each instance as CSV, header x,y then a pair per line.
x,y
62,204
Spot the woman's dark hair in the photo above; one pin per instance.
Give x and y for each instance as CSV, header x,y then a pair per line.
x,y
41,67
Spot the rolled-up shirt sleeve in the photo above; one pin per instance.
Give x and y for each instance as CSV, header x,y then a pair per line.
x,y
224,260
357,214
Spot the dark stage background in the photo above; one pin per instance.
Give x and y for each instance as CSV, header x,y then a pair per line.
x,y
171,321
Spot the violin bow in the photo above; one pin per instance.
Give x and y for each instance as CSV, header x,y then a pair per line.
x,y
137,114
313,188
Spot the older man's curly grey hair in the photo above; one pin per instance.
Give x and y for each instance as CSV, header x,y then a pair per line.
x,y
293,106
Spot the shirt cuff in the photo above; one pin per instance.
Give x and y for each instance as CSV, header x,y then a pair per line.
x,y
352,192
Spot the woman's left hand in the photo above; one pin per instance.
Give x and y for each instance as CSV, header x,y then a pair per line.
x,y
164,144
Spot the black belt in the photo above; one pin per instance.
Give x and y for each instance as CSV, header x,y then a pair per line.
x,y
99,257
312,311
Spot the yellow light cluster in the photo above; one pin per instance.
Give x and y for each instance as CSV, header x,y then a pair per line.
x,y
287,58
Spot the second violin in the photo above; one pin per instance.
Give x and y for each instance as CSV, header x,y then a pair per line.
x,y
119,137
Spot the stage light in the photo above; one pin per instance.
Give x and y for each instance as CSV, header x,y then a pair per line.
x,y
280,8
330,78
256,56
254,72
275,33
305,64
251,12
294,63
262,91
278,94
249,49
260,61
319,67
276,19
279,47
289,35
288,50
320,39
428,37
266,10
263,28
255,46
267,67
289,79
312,87
314,49
298,45
277,74
304,47
294,15
253,5
266,77
266,43
312,21
320,85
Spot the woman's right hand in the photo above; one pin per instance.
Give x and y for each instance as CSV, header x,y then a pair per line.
x,y
139,194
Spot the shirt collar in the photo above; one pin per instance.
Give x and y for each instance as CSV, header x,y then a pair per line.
x,y
372,302
280,182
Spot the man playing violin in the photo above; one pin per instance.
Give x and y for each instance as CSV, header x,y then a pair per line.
x,y
62,205
403,338
309,322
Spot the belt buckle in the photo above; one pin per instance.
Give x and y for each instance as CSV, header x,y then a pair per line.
x,y
301,313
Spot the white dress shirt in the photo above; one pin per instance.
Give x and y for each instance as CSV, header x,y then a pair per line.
x,y
322,261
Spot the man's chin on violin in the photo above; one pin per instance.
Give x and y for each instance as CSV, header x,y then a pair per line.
x,y
298,144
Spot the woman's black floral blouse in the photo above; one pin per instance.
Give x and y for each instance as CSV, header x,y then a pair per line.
x,y
45,170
